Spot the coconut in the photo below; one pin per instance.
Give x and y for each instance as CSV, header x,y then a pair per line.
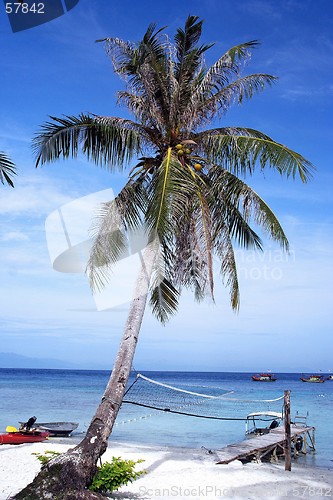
x,y
197,166
179,146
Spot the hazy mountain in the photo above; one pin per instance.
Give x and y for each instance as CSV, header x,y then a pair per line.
x,y
12,360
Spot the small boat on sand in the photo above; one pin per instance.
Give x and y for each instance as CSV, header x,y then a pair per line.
x,y
314,379
59,429
264,377
21,437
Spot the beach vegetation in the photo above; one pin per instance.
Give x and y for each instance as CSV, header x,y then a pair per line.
x,y
45,457
111,475
189,214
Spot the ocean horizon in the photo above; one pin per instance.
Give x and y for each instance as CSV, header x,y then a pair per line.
x,y
73,395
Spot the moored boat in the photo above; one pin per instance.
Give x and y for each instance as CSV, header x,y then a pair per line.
x,y
262,422
60,429
330,377
21,437
264,377
314,379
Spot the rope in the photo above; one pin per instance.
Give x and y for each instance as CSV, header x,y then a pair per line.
x,y
254,400
130,387
136,419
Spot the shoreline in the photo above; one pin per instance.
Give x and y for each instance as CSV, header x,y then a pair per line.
x,y
177,472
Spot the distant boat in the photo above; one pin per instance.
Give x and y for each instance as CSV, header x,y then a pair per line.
x,y
314,379
60,429
21,437
330,377
264,377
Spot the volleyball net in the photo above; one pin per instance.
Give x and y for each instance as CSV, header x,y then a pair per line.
x,y
209,402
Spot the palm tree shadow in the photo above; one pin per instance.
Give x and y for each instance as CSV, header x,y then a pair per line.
x,y
126,495
129,495
179,456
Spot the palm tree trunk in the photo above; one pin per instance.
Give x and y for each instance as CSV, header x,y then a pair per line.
x,y
68,476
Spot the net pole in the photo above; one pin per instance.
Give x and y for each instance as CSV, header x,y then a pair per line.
x,y
287,435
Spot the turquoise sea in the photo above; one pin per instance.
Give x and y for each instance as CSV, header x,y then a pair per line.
x,y
72,395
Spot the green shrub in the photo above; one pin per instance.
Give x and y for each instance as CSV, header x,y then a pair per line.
x,y
45,458
111,475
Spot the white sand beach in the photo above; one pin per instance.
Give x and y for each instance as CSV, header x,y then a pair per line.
x,y
179,473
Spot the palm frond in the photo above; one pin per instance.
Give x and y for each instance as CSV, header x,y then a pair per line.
x,y
7,169
164,300
188,53
187,39
237,91
109,243
120,53
239,228
167,192
137,104
144,65
242,153
110,142
188,65
226,68
204,231
114,222
232,131
230,214
237,204
187,262
131,204
225,251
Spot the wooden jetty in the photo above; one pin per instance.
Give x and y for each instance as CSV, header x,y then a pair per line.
x,y
301,438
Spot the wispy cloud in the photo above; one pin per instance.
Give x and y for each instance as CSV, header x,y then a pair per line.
x,y
261,8
33,196
14,236
302,91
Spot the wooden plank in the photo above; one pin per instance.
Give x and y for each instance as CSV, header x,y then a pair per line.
x,y
258,445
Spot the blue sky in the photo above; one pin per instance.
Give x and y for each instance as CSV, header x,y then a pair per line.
x,y
285,319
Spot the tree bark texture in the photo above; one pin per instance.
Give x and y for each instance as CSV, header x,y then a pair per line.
x,y
67,476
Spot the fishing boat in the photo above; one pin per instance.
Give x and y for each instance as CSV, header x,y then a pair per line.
x,y
60,429
264,377
21,437
315,379
262,422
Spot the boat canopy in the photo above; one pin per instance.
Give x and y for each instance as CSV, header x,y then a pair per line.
x,y
265,414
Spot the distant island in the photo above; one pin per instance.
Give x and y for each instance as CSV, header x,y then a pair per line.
x,y
12,360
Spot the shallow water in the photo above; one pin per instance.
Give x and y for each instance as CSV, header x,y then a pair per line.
x,y
73,395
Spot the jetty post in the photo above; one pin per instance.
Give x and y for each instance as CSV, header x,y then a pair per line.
x,y
287,434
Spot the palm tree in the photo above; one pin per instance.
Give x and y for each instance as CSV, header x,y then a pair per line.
x,y
187,190
7,169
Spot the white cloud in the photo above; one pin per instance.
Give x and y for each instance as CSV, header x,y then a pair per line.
x,y
32,196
